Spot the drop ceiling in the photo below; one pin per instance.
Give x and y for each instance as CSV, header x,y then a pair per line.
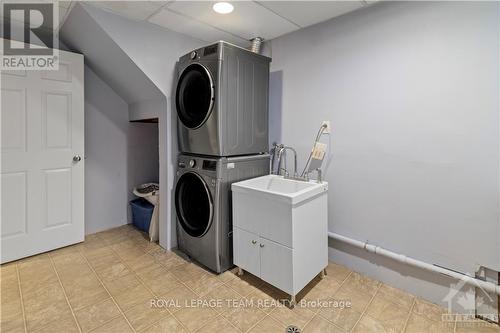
x,y
267,19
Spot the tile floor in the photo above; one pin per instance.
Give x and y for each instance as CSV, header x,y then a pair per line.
x,y
116,281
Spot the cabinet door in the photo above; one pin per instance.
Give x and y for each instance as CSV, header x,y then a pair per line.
x,y
276,265
246,251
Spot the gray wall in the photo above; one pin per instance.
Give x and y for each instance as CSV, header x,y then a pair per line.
x,y
411,90
118,155
153,51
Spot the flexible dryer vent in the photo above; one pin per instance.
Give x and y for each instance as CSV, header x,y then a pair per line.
x,y
256,43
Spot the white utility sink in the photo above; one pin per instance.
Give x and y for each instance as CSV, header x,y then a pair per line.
x,y
280,230
278,188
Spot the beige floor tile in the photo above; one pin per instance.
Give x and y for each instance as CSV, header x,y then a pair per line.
x,y
177,298
130,254
298,316
358,282
389,315
37,276
321,325
152,271
84,291
224,297
78,270
264,300
172,263
92,246
33,262
268,325
122,284
113,271
68,261
371,325
219,325
126,245
96,315
245,284
8,270
136,295
358,299
336,271
244,317
11,316
228,275
94,255
108,266
114,254
12,326
428,310
152,247
140,262
117,325
44,306
320,289
189,271
163,284
166,325
194,318
343,318
77,248
420,324
203,284
9,288
66,325
160,254
11,309
144,315
397,296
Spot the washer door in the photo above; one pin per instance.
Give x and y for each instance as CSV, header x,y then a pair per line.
x,y
193,203
195,96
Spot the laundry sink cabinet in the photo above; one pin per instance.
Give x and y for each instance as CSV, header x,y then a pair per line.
x,y
280,230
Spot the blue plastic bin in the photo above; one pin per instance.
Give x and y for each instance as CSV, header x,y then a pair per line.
x,y
142,211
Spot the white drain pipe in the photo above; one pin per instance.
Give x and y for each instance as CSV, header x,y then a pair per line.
x,y
487,286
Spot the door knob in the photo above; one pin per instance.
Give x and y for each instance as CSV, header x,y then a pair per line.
x,y
261,245
77,158
254,242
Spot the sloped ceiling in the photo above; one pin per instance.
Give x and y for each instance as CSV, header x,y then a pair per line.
x,y
106,58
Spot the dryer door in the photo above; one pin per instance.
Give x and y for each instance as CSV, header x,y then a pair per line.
x,y
194,95
194,205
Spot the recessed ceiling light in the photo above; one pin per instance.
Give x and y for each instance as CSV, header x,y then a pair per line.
x,y
223,7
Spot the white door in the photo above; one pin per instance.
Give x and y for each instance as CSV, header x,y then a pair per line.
x,y
276,265
42,178
246,251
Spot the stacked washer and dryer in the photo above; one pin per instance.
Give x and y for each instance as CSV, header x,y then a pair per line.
x,y
222,106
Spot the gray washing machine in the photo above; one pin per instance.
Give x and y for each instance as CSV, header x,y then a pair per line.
x,y
222,97
203,204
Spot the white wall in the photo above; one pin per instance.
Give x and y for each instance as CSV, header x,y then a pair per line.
x,y
155,51
116,152
412,91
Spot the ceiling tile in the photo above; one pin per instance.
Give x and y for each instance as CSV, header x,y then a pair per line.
x,y
248,20
190,27
137,10
306,13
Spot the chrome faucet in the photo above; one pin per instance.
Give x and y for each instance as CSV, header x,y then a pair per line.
x,y
280,155
281,150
